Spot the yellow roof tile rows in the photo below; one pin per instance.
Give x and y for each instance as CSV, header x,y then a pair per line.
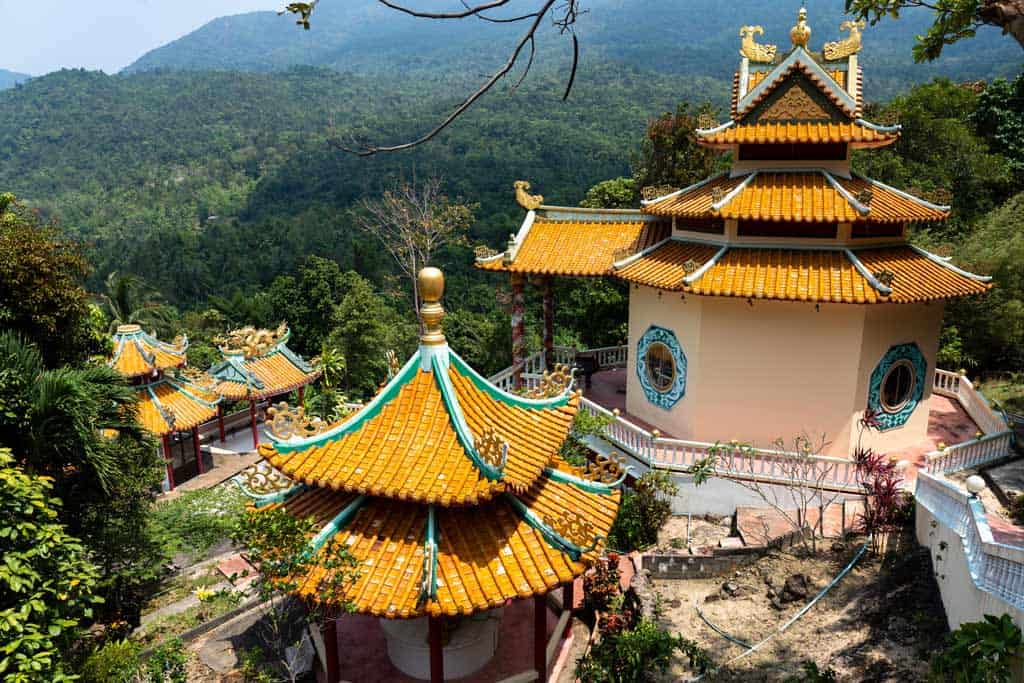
x,y
165,407
486,554
578,247
810,132
815,275
137,353
275,373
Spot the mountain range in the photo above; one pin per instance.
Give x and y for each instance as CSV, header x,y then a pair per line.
x,y
9,79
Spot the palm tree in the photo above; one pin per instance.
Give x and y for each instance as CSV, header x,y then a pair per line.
x,y
59,422
128,300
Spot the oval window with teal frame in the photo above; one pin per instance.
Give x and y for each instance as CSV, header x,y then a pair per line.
x,y
897,385
661,367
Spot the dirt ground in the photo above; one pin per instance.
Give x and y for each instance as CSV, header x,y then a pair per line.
x,y
704,532
882,622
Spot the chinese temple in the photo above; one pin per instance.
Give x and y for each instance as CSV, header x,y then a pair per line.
x,y
173,400
780,297
258,365
451,495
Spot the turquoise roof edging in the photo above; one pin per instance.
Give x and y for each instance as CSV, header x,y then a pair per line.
x,y
334,526
451,404
429,589
585,484
550,535
494,392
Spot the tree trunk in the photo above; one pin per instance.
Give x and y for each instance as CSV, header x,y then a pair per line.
x,y
1007,15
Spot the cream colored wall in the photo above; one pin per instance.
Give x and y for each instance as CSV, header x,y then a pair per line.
x,y
887,325
778,369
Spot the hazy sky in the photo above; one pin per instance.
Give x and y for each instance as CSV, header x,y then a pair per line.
x,y
39,36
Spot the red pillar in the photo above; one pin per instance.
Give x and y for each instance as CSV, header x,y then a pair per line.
x,y
568,595
252,421
540,636
333,663
436,649
168,461
195,447
220,422
302,396
549,323
518,326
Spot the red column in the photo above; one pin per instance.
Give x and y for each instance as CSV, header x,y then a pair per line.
x,y
252,421
436,650
168,461
518,326
220,422
568,595
195,447
333,663
302,396
540,636
549,323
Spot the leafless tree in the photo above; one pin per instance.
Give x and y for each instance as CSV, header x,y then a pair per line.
x,y
413,220
794,480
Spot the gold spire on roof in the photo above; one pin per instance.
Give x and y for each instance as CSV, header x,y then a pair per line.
x,y
801,33
431,281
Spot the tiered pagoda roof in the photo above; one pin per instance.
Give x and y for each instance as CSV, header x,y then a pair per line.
x,y
171,398
789,221
258,364
448,491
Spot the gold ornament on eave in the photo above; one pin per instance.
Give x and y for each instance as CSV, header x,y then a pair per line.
x,y
552,383
752,50
251,342
530,202
284,422
492,448
260,479
573,527
800,34
847,46
603,469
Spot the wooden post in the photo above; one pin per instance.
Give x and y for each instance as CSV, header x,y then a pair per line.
x,y
333,663
436,649
540,636
199,452
252,421
220,422
568,595
168,461
302,396
518,327
549,323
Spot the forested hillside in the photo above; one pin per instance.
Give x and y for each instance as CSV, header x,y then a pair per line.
x,y
689,38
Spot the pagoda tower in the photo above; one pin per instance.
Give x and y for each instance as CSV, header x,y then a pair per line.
x,y
452,496
780,297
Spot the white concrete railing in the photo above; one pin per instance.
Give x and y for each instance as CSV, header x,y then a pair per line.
x,y
956,529
533,368
995,437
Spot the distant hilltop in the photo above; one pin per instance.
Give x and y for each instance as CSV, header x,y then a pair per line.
x,y
8,79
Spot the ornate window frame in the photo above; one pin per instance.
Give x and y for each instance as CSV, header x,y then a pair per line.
x,y
667,398
901,354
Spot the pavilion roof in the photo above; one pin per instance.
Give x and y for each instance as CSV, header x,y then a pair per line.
x,y
137,353
258,364
575,242
805,195
448,491
858,133
176,403
892,274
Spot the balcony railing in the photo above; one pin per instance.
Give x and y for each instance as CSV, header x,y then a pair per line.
x,y
994,439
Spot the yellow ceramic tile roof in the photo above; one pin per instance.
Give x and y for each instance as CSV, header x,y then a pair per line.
x,y
409,450
163,400
137,353
665,267
794,197
918,278
579,248
487,554
805,132
815,275
277,373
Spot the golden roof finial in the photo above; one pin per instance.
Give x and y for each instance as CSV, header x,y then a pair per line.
x,y
431,282
801,33
530,202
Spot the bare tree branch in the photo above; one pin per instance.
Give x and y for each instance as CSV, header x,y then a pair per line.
x,y
470,11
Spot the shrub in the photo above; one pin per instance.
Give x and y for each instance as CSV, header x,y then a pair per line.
x,y
601,587
643,512
810,673
979,651
167,663
117,661
574,449
195,521
635,654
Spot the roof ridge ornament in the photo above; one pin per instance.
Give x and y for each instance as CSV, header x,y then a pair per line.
x,y
762,53
800,34
530,202
431,286
850,45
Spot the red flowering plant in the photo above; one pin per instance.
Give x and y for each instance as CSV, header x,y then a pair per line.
x,y
883,495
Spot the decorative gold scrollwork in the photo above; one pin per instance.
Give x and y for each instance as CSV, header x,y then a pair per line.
x,y
198,378
885,277
752,50
285,422
865,196
393,365
651,192
604,469
492,448
717,194
528,201
690,266
484,252
847,46
573,527
706,121
250,341
261,479
552,383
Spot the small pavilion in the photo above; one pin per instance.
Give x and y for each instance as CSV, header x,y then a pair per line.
x,y
173,399
258,365
452,496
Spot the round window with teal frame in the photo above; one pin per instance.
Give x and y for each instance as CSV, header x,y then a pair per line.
x,y
897,385
661,367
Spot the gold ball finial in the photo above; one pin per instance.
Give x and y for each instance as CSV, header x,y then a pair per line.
x,y
431,282
801,33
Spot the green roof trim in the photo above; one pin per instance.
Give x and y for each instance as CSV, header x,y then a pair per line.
x,y
232,369
263,500
354,423
429,589
183,390
497,394
334,526
586,484
451,404
550,535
